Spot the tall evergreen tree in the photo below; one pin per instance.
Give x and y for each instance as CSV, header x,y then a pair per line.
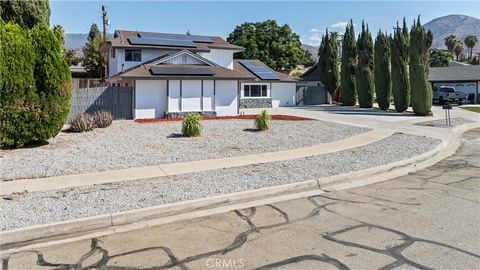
x,y
26,13
382,74
328,62
94,60
420,42
349,61
400,81
365,84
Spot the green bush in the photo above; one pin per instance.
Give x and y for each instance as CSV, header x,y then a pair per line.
x,y
53,82
192,125
35,85
383,82
348,88
420,42
365,84
102,119
81,122
400,81
19,108
263,120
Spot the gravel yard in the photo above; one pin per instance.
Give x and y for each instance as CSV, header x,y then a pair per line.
x,y
441,122
53,206
128,144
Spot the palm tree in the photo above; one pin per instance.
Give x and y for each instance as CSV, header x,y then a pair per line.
x,y
450,42
458,48
470,42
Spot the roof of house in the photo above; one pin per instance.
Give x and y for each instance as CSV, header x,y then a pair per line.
x,y
454,73
240,68
121,40
312,74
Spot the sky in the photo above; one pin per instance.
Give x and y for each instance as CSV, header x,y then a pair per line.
x,y
308,19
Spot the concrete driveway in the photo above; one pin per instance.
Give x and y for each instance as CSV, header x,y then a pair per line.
x,y
426,220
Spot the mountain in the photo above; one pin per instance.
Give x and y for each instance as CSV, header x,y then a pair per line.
x,y
77,41
312,49
457,25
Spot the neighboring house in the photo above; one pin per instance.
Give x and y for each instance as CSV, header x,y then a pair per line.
x,y
310,90
464,78
173,75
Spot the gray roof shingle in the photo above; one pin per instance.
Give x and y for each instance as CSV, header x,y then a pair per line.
x,y
454,73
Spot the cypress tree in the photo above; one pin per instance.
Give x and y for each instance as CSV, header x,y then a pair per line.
x,y
420,42
26,13
349,61
365,84
400,82
383,81
328,62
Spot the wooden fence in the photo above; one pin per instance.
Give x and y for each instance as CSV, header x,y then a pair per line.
x,y
117,100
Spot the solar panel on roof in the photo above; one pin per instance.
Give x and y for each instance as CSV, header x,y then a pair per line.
x,y
162,42
262,72
159,70
201,39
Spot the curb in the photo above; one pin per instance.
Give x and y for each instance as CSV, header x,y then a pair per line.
x,y
111,223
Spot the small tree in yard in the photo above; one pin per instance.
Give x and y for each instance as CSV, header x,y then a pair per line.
x,y
349,62
94,60
382,75
365,84
192,126
420,42
263,120
400,82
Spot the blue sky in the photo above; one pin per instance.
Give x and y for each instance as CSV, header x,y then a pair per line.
x,y
308,19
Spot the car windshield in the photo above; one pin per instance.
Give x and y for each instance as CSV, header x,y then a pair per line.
x,y
447,90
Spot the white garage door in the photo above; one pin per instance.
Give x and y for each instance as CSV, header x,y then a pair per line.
x,y
226,98
150,99
283,94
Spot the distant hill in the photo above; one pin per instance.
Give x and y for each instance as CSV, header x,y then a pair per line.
x,y
312,49
457,25
77,41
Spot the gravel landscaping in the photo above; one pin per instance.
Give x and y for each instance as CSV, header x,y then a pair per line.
x,y
441,122
52,206
128,144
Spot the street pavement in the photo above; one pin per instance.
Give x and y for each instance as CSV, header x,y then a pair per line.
x,y
425,220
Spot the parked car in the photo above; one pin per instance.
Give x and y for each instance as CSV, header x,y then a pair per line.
x,y
448,94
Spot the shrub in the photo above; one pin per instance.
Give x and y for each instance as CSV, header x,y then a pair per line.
x,y
18,103
263,120
81,122
192,125
102,119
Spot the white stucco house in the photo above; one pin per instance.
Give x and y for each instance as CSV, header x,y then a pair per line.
x,y
173,75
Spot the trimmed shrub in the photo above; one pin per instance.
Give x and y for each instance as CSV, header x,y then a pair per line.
x,y
102,119
365,84
420,42
81,122
348,88
53,82
192,125
19,108
263,120
400,81
383,80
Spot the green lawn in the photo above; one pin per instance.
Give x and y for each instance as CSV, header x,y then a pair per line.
x,y
473,109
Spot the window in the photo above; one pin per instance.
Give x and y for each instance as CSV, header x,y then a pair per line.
x,y
254,90
133,55
113,53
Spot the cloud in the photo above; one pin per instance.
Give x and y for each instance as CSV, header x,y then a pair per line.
x,y
340,25
313,30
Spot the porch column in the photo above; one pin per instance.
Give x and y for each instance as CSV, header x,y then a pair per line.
x,y
180,98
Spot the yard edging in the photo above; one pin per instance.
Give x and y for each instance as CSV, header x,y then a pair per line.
x,y
170,169
136,219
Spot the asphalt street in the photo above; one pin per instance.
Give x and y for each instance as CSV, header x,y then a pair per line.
x,y
425,220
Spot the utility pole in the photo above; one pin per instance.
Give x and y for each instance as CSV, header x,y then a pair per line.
x,y
104,23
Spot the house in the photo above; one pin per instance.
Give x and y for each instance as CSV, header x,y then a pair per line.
x,y
173,75
464,78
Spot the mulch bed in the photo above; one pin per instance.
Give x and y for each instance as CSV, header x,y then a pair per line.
x,y
238,117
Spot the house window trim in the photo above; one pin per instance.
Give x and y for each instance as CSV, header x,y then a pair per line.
x,y
133,55
262,97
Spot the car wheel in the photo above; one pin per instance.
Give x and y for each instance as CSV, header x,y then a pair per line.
x,y
460,102
440,100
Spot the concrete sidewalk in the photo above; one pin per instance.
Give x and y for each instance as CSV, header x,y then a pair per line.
x,y
68,181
